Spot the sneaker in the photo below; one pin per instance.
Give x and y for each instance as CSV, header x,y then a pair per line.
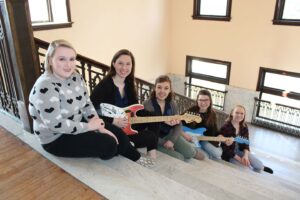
x,y
268,169
146,162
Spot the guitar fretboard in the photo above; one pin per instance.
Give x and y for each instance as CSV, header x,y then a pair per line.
x,y
216,139
140,120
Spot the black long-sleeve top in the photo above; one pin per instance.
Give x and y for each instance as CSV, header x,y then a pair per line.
x,y
211,130
228,130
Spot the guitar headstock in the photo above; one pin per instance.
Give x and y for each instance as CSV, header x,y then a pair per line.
x,y
241,140
191,117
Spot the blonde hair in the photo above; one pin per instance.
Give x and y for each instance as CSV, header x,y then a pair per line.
x,y
242,123
51,50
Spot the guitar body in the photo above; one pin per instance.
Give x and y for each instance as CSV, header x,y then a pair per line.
x,y
131,112
197,131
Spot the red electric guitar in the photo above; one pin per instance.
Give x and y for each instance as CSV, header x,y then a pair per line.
x,y
130,112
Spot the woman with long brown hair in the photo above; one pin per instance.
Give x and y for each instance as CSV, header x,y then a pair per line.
x,y
203,107
118,88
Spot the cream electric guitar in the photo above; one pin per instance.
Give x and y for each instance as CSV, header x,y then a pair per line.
x,y
129,112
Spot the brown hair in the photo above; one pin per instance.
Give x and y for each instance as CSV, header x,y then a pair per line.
x,y
161,79
112,71
212,118
51,51
130,79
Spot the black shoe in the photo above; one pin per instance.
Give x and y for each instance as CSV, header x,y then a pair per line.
x,y
268,169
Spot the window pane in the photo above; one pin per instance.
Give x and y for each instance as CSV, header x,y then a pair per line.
x,y
38,11
291,9
210,69
59,10
208,84
213,7
282,82
281,100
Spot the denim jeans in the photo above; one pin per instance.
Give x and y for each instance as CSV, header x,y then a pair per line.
x,y
255,163
212,151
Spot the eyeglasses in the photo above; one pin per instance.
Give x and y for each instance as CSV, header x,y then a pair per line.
x,y
203,100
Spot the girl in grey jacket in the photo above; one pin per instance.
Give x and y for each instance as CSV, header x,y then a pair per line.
x,y
171,141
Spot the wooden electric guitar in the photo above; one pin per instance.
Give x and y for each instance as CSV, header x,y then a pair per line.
x,y
197,134
109,110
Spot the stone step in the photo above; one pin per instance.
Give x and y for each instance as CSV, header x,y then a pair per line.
x,y
220,179
97,176
280,164
260,182
167,188
119,178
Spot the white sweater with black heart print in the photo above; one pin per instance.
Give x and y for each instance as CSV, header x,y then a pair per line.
x,y
59,106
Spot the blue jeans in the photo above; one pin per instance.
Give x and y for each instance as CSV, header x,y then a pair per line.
x,y
212,151
255,163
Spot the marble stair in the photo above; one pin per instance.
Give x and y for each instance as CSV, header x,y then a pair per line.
x,y
120,178
223,182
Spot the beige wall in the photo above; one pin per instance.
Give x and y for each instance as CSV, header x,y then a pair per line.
x,y
249,40
161,33
102,27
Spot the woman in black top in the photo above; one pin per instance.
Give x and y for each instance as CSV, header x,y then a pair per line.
x,y
203,107
118,88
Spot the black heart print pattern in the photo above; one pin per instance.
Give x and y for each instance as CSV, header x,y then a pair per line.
x,y
37,132
44,90
70,101
79,98
74,130
58,125
49,110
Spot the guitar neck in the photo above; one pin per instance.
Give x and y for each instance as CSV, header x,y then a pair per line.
x,y
140,120
210,138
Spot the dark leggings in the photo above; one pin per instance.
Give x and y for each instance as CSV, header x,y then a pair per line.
x,y
145,138
93,144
